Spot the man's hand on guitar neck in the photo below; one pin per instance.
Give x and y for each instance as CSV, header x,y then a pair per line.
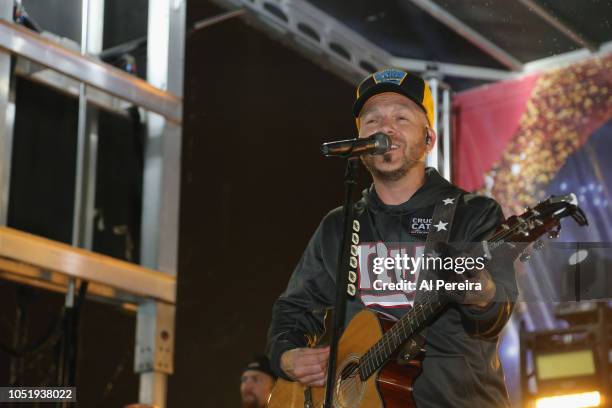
x,y
480,299
306,365
476,299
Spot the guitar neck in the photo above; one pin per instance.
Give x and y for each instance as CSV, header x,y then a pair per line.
x,y
409,325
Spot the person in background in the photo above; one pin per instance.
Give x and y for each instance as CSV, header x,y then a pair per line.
x,y
256,383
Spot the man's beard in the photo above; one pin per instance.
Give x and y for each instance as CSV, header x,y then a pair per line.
x,y
251,402
390,175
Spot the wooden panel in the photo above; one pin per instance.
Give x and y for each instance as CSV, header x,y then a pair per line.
x,y
78,263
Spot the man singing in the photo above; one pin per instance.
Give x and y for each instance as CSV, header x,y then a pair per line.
x,y
461,366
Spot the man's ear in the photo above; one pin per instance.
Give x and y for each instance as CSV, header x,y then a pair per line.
x,y
430,138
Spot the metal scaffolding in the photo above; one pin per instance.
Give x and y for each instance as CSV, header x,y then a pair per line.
x,y
150,289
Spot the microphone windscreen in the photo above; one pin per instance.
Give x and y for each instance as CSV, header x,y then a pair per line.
x,y
382,141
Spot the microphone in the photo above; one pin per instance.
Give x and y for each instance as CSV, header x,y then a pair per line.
x,y
378,143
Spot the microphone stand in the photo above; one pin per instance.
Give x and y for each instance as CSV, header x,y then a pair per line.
x,y
341,276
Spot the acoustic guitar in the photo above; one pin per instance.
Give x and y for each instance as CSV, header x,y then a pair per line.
x,y
367,373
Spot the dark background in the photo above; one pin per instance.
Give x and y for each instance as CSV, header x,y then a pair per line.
x,y
254,189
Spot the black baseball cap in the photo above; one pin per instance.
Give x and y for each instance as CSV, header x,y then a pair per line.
x,y
260,363
395,80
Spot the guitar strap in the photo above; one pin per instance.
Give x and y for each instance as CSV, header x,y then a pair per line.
x,y
439,231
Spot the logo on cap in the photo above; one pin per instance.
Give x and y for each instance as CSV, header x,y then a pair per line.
x,y
390,75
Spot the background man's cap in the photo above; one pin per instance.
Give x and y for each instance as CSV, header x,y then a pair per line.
x,y
394,80
260,363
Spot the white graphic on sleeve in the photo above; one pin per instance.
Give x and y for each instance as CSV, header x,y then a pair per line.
x,y
368,293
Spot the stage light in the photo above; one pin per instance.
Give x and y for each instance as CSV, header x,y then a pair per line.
x,y
582,400
565,365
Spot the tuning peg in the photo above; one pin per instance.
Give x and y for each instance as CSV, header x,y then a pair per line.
x,y
538,245
525,256
554,234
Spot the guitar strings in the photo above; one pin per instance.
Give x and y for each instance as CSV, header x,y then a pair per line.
x,y
385,341
349,387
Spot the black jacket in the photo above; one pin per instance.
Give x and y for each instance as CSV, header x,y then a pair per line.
x,y
461,366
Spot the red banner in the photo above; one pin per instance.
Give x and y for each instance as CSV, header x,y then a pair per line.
x,y
511,138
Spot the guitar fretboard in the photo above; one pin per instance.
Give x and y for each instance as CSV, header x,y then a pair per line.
x,y
410,324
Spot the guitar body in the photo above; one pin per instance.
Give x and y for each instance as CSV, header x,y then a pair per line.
x,y
390,387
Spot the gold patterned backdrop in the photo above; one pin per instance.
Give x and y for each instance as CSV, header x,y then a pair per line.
x,y
565,107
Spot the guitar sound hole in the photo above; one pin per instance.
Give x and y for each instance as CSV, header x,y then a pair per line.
x,y
349,387
351,370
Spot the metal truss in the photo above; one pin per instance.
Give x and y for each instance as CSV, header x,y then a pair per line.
x,y
468,33
150,289
330,43
88,70
560,25
326,40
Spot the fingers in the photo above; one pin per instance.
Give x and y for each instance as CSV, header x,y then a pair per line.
x,y
310,365
306,365
302,371
314,356
317,380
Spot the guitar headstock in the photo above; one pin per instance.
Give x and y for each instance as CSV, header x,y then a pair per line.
x,y
544,217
